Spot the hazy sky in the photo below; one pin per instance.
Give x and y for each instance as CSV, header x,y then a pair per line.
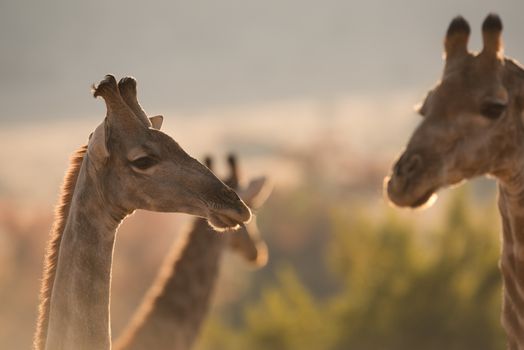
x,y
197,55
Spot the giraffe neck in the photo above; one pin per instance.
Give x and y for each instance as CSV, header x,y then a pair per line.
x,y
79,308
511,206
176,305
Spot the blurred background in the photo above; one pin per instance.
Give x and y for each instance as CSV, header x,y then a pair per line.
x,y
317,95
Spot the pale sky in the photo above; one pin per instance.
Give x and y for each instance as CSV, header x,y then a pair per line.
x,y
198,55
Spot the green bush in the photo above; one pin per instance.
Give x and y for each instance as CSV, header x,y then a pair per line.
x,y
401,286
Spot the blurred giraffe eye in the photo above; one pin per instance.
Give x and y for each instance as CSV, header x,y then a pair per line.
x,y
493,110
144,163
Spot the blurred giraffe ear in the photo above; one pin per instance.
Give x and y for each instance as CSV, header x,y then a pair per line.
x,y
247,243
97,145
256,193
156,121
422,107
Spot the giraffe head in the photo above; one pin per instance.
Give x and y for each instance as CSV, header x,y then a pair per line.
x,y
246,241
140,167
472,119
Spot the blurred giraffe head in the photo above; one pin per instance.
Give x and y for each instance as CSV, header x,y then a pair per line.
x,y
247,241
472,119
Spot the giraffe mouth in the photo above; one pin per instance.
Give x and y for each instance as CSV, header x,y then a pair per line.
x,y
228,218
422,200
404,193
222,222
226,215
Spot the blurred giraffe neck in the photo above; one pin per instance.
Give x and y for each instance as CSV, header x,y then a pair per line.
x,y
175,307
511,206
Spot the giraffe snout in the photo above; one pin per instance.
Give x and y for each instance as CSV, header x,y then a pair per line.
x,y
408,165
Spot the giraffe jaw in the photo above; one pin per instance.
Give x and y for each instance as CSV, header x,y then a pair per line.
x,y
404,193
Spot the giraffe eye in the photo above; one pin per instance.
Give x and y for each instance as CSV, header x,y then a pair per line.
x,y
144,163
493,110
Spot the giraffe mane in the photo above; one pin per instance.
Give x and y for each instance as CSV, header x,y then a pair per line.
x,y
53,245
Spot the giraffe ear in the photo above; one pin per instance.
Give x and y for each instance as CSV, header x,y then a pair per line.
x,y
97,144
247,243
422,107
257,192
156,121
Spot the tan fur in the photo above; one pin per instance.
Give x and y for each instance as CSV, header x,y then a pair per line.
x,y
53,245
126,166
473,125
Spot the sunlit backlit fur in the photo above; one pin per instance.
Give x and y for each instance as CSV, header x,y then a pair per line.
x,y
51,257
104,185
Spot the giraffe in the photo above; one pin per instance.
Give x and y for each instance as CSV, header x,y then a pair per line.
x,y
172,313
127,164
474,125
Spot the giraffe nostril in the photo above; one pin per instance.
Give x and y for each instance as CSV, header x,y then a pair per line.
x,y
397,168
408,165
412,164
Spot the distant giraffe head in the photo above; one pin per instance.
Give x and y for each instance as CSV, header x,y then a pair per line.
x,y
472,120
142,168
247,241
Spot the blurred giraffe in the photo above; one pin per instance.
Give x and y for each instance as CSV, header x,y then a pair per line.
x,y
474,125
127,165
174,309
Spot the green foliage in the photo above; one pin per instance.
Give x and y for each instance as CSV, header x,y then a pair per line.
x,y
402,287
284,315
440,291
